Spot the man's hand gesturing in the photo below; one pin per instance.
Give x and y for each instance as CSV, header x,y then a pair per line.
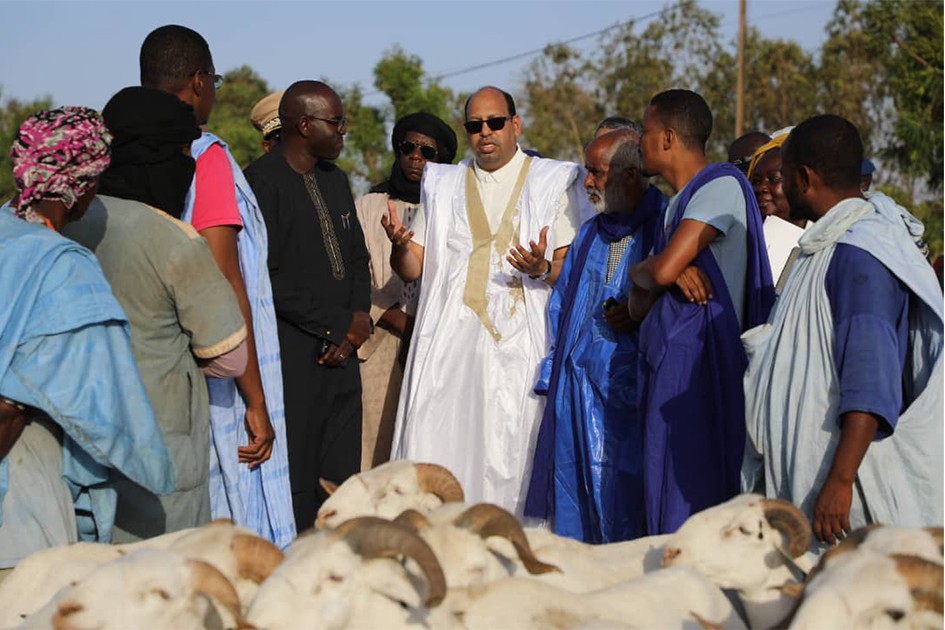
x,y
396,231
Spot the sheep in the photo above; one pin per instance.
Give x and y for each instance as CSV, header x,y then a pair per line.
x,y
864,588
670,598
752,545
146,588
457,533
350,578
243,557
386,491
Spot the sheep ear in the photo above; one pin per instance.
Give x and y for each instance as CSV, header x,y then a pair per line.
x,y
327,486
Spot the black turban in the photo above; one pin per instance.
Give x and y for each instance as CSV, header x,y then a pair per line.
x,y
150,129
397,186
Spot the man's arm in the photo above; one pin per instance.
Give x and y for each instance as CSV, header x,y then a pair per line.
x,y
832,509
660,272
406,257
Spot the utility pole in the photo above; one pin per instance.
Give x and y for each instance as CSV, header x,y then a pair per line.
x,y
740,84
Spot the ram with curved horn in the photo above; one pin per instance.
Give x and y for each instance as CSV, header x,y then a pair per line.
x,y
387,491
752,545
351,577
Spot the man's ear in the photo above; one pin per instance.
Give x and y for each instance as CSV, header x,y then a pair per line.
x,y
198,83
517,125
669,137
807,178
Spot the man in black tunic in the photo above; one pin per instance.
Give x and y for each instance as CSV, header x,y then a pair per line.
x,y
321,287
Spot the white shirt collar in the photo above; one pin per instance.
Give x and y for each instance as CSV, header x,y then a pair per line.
x,y
505,173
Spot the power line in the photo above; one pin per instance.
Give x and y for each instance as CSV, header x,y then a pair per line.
x,y
536,51
597,33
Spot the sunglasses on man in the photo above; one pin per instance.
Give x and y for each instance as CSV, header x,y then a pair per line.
x,y
495,124
407,148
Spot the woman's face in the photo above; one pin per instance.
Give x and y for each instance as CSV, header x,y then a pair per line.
x,y
412,162
766,182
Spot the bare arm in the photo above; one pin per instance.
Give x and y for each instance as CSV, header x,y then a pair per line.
x,y
661,271
832,509
406,257
223,245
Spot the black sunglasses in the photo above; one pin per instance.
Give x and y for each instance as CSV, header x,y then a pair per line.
x,y
495,124
407,147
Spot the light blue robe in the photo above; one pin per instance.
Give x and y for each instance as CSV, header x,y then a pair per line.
x,y
258,498
65,348
792,412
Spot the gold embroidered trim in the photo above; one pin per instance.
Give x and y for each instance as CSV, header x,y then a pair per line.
x,y
477,274
328,227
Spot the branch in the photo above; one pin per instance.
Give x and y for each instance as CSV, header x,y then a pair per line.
x,y
906,50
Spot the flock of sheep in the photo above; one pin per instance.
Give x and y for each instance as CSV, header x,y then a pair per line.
x,y
397,547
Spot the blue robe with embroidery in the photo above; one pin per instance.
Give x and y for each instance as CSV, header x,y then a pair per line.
x,y
588,462
694,403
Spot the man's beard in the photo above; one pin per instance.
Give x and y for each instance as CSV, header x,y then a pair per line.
x,y
600,206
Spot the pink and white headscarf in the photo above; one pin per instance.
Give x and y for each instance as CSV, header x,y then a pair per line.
x,y
58,154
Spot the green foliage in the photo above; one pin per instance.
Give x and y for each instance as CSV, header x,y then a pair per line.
x,y
242,89
367,156
907,39
12,115
929,211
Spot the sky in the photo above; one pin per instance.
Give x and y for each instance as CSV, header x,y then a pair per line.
x,y
81,52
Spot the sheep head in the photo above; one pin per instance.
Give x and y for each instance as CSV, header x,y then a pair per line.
x,y
738,543
350,576
388,490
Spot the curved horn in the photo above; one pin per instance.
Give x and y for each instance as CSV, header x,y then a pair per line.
x,y
438,480
925,581
791,522
487,520
255,557
207,579
412,520
372,537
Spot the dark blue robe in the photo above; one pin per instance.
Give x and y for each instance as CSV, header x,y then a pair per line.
x,y
694,403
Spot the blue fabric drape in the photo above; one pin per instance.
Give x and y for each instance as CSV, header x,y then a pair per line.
x,y
694,403
587,462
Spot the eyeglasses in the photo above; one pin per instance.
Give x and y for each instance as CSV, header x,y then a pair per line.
x,y
340,123
407,148
495,124
217,78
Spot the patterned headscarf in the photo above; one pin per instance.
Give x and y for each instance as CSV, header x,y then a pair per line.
x,y
58,154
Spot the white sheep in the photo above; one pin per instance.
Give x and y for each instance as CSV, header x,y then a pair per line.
x,y
351,578
864,588
386,491
244,558
147,588
752,545
671,598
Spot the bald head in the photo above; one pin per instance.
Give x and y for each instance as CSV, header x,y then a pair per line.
x,y
305,98
494,91
614,164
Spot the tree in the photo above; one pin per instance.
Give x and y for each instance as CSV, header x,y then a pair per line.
x,y
907,38
562,112
851,81
12,114
242,89
367,155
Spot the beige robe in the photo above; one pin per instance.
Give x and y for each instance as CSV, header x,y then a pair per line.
x,y
381,372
